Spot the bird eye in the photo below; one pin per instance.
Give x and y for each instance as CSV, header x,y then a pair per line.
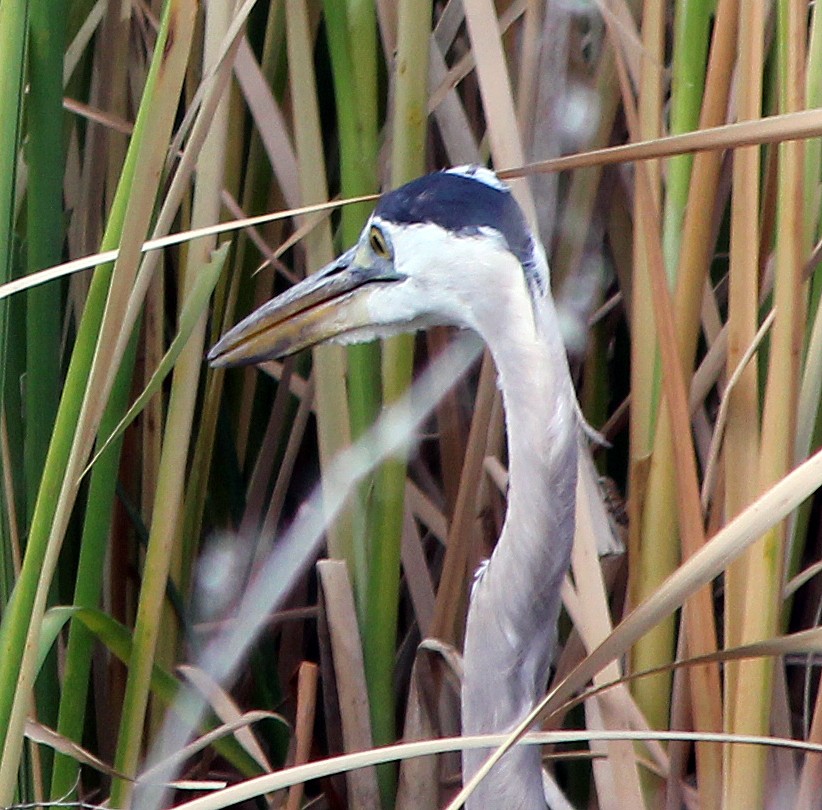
x,y
378,243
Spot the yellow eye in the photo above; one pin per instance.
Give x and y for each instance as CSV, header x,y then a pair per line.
x,y
378,243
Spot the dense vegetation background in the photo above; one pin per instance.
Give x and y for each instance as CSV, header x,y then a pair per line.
x,y
167,591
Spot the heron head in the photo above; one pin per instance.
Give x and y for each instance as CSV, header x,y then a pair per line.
x,y
448,248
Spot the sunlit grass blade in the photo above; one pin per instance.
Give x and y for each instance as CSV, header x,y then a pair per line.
x,y
304,773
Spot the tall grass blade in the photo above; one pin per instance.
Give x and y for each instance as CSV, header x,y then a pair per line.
x,y
13,22
382,601
44,242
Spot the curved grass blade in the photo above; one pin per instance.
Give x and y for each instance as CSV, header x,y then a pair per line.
x,y
167,688
193,309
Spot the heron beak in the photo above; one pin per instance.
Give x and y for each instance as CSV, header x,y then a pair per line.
x,y
323,306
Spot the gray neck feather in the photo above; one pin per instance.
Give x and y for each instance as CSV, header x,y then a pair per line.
x,y
511,630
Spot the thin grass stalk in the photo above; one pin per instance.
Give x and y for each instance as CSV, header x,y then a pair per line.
x,y
692,21
643,353
12,553
44,241
352,37
177,436
89,583
697,244
698,227
236,292
447,621
13,22
763,604
673,444
410,120
213,89
189,528
352,43
528,62
498,98
693,267
813,100
579,203
333,425
44,232
92,205
653,511
809,425
117,28
13,31
255,181
151,434
743,424
79,21
12,514
809,399
351,28
19,628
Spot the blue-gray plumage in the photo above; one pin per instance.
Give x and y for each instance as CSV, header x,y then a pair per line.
x,y
454,248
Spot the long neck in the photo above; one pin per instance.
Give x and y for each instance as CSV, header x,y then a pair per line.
x,y
511,628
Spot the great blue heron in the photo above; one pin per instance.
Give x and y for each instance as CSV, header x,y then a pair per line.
x,y
454,248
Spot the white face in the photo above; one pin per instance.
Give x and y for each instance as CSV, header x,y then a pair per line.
x,y
400,277
470,281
